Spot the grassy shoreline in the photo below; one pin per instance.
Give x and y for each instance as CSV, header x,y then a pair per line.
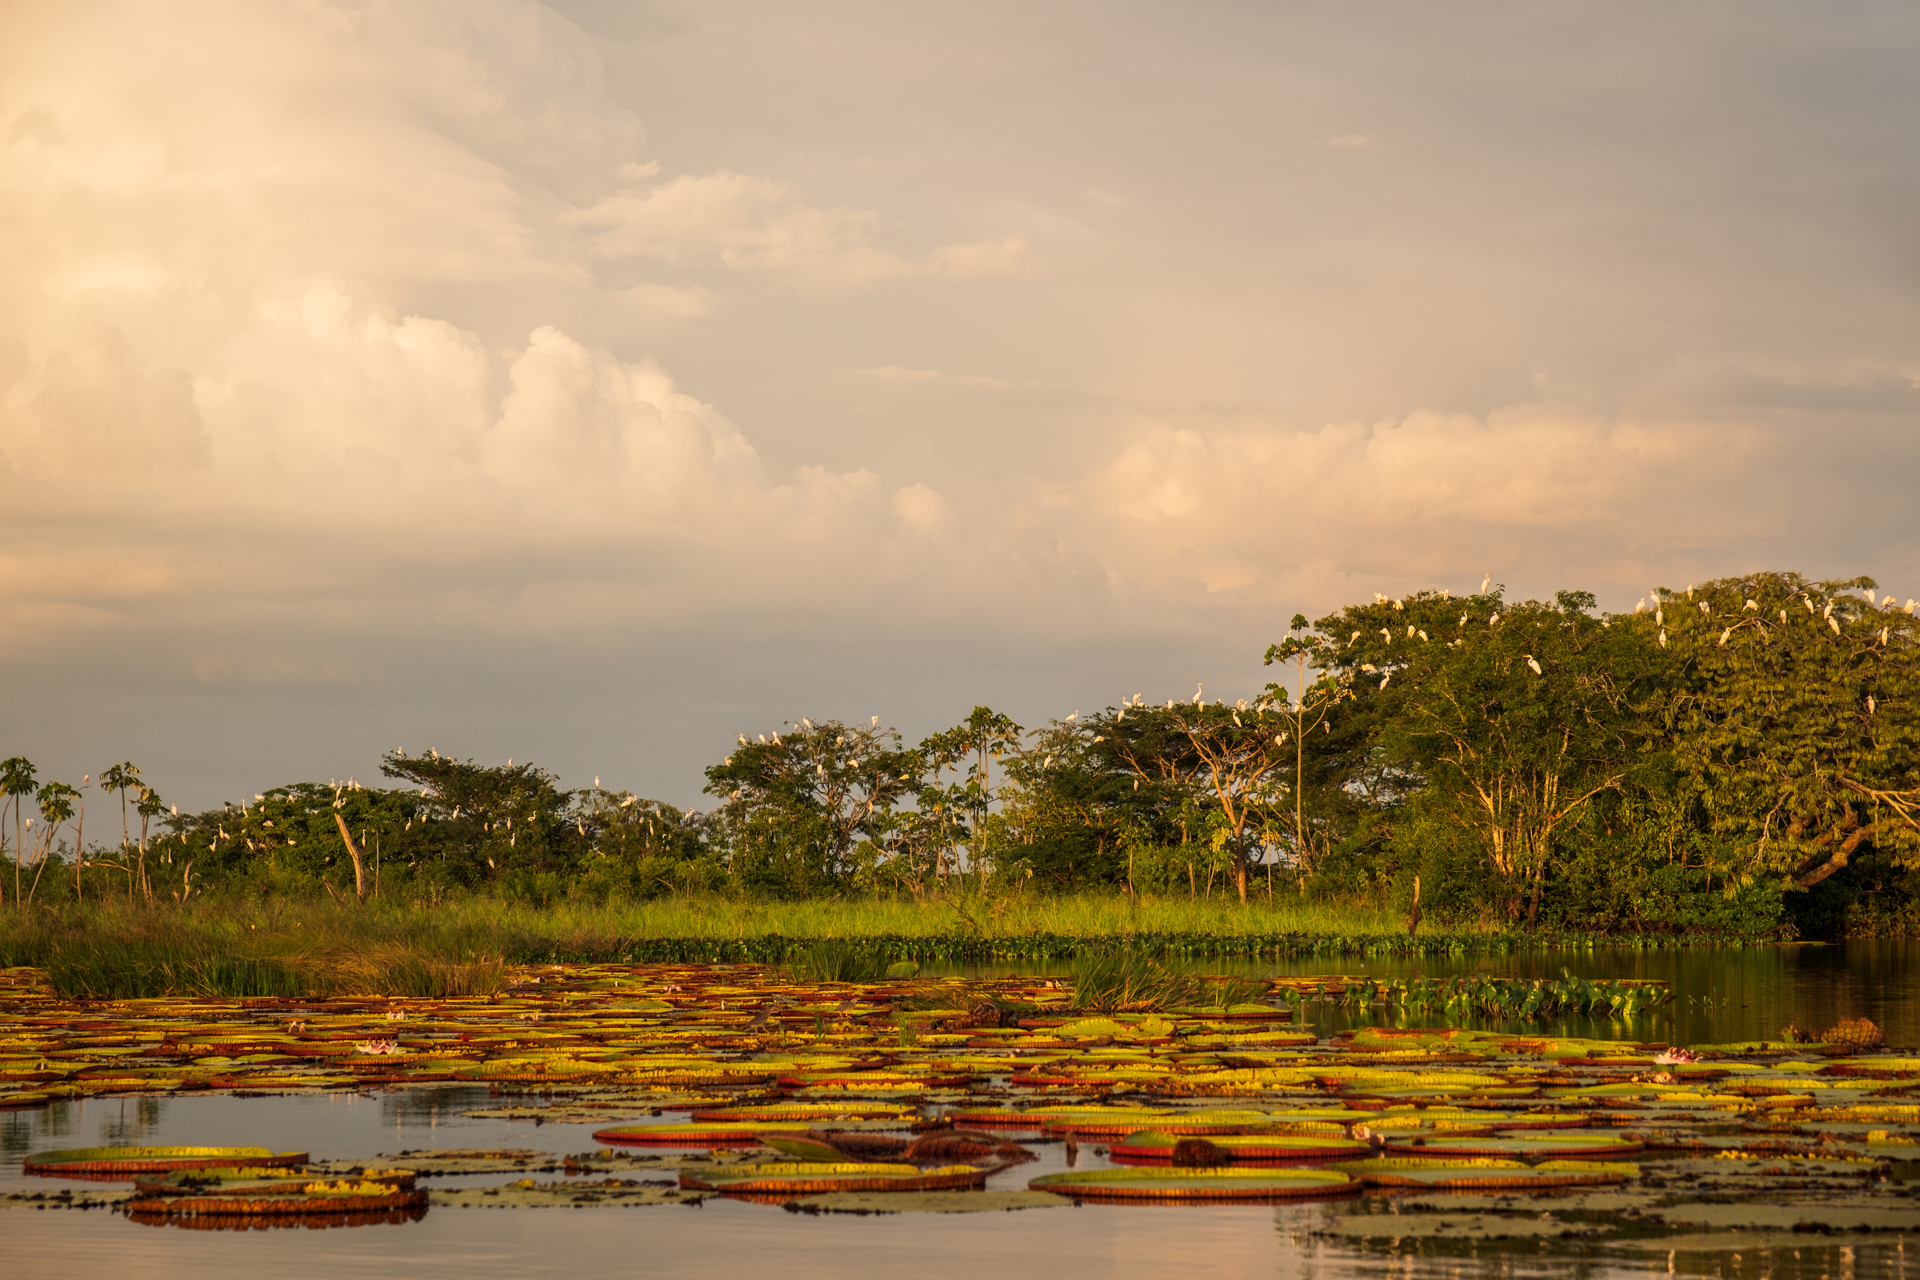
x,y
286,947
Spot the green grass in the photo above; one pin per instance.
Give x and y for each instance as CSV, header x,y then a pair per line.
x,y
248,945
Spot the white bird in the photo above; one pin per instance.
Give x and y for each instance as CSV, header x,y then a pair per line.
x,y
1423,635
1869,704
1835,624
1753,605
1385,634
1073,715
1704,608
1642,606
1535,665
1494,620
1385,678
1724,635
1463,619
1409,633
1398,605
1485,583
1783,617
1378,598
1883,634
874,722
1663,639
596,782
1353,637
1368,667
1659,617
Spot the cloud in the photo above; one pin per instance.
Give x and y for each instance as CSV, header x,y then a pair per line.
x,y
1538,488
761,226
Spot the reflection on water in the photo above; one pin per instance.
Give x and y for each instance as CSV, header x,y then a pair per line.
x,y
1722,995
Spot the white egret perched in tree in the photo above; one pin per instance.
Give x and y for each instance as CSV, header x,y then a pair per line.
x,y
1532,663
1485,583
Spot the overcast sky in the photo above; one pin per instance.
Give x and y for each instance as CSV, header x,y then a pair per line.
x,y
588,382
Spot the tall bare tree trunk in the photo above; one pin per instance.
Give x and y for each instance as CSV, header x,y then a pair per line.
x,y
359,866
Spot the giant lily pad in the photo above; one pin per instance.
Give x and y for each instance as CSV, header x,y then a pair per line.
x,y
1576,1146
119,1163
1156,1146
1477,1174
1197,1184
808,1177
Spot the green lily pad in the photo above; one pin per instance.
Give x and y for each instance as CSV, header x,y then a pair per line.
x,y
1475,1174
1197,1184
125,1162
809,1177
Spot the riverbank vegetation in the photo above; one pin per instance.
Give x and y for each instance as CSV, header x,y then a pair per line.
x,y
1735,759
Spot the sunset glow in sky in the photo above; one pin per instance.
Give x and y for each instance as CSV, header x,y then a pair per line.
x,y
589,381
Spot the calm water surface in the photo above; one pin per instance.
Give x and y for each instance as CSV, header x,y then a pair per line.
x,y
1726,995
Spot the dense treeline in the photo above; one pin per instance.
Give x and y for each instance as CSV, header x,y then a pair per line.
x,y
1740,757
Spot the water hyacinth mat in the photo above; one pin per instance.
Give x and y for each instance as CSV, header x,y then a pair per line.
x,y
916,1096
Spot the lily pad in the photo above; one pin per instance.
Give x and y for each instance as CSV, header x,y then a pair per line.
x,y
1486,1174
124,1162
1197,1184
871,1202
811,1177
1570,1146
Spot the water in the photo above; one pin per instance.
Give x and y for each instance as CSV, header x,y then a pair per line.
x,y
1722,995
1735,994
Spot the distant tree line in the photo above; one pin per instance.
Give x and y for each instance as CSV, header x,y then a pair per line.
x,y
1741,756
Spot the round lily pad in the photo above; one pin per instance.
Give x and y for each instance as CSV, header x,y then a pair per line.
x,y
281,1197
1197,1184
807,1111
1041,1117
700,1134
1156,1146
119,1163
1114,1122
806,1177
1577,1146
1460,1173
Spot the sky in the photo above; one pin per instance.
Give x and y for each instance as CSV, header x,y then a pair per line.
x,y
589,382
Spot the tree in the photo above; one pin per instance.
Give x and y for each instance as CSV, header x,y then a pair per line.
x,y
122,778
1308,712
1507,719
56,806
975,744
492,821
1232,755
798,807
16,781
1794,715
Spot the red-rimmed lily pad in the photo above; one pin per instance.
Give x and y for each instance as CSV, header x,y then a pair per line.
x,y
1156,1146
701,1134
806,1177
1197,1184
123,1163
1473,1174
1042,1117
1564,1146
812,1111
283,1197
1116,1123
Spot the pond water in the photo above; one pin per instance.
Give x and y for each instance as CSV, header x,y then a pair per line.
x,y
1722,995
1736,994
